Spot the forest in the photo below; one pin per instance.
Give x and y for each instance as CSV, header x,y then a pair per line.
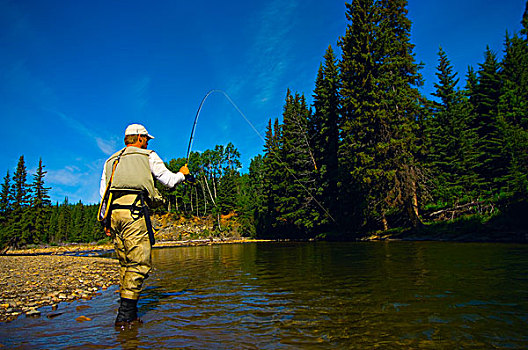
x,y
370,154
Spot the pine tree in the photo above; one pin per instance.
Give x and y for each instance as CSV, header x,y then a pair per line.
x,y
227,192
40,205
513,113
5,198
324,131
5,208
250,200
19,225
381,104
485,99
273,169
358,95
297,208
451,152
20,188
64,222
53,229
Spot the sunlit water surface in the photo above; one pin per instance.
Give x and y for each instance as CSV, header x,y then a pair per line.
x,y
307,296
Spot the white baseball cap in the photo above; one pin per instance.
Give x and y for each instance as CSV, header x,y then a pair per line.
x,y
137,129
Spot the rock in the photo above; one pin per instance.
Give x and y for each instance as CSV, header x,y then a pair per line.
x,y
30,282
33,313
83,319
82,307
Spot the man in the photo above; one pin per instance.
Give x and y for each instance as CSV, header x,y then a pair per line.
x,y
129,175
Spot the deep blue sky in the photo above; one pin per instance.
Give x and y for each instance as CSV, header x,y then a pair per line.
x,y
74,74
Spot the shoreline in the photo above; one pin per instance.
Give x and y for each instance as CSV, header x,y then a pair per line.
x,y
48,275
29,282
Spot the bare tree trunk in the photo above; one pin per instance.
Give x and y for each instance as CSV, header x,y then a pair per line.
x,y
197,205
192,207
204,196
209,190
214,186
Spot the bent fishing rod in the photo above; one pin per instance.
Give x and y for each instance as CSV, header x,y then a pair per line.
x,y
261,137
191,139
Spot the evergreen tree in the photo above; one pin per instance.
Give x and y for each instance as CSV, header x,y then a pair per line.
x,y
53,229
20,188
227,192
513,113
5,198
298,211
381,104
250,199
358,96
64,222
40,205
273,169
324,131
5,208
19,225
451,140
485,99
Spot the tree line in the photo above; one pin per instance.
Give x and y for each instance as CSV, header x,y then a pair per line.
x,y
371,153
28,217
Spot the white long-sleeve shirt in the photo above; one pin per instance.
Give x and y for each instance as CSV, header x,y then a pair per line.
x,y
159,171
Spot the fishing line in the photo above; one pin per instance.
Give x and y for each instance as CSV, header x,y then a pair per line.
x,y
191,139
261,137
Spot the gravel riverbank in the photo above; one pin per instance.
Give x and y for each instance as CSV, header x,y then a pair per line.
x,y
36,277
28,282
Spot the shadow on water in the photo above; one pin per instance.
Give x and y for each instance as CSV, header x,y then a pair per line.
x,y
307,295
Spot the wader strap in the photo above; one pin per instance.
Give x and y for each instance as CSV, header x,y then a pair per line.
x,y
146,213
104,207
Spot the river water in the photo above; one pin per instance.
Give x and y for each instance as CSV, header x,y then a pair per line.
x,y
307,296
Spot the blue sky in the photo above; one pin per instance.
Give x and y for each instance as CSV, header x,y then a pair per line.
x,y
74,74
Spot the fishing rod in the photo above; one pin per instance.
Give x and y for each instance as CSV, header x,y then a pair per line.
x,y
261,137
191,139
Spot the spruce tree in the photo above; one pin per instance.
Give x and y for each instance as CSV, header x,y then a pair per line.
x,y
485,99
297,207
513,113
64,222
5,198
381,104
40,205
20,188
451,140
19,223
5,208
359,96
324,131
273,170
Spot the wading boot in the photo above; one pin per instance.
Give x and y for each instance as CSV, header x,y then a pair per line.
x,y
127,312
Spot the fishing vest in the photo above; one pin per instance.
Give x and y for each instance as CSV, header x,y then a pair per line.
x,y
132,172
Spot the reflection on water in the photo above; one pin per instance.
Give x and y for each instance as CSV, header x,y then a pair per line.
x,y
309,296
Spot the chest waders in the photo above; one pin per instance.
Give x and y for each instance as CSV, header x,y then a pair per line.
x,y
138,211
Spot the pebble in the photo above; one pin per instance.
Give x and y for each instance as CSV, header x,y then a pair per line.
x,y
30,282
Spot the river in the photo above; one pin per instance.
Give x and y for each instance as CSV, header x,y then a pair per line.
x,y
316,295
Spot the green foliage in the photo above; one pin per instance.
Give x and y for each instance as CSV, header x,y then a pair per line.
x,y
451,142
28,218
372,154
323,128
